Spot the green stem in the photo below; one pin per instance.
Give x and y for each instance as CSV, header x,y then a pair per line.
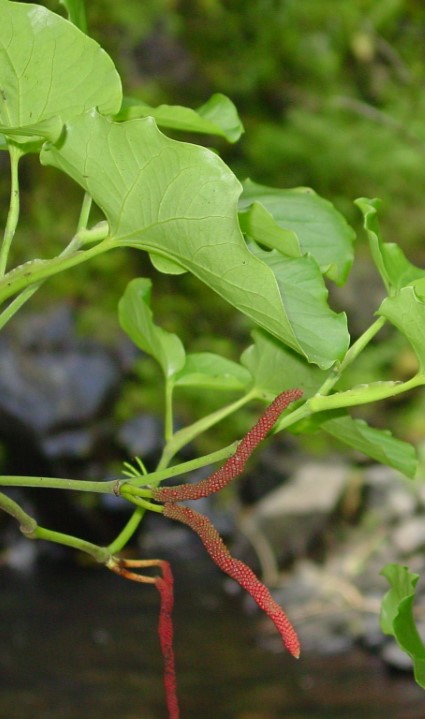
x,y
353,352
131,494
78,485
17,303
15,154
153,479
32,530
127,532
130,528
363,394
100,554
33,272
27,524
113,486
296,416
168,428
74,245
186,435
84,212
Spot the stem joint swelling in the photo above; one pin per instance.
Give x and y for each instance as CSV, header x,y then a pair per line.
x,y
29,529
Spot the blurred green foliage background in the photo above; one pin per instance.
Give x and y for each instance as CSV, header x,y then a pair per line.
x,y
331,93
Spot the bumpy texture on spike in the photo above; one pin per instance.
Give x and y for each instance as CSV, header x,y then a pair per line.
x,y
235,465
236,569
164,585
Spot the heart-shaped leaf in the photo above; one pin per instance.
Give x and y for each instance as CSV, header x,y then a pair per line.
x,y
179,201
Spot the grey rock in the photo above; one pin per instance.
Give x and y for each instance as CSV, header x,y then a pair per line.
x,y
292,515
409,536
388,493
49,378
394,657
141,436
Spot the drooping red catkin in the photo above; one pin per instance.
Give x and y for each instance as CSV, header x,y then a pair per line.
x,y
236,569
235,465
164,585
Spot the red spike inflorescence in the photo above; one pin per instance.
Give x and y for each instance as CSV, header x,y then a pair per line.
x,y
235,465
236,569
164,585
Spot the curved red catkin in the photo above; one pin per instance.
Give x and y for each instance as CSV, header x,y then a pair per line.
x,y
236,569
235,465
164,585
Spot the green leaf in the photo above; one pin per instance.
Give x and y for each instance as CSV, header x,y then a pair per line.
x,y
136,320
167,266
397,616
406,311
49,68
76,13
50,129
376,443
275,368
179,201
221,112
218,116
363,394
209,371
319,330
320,229
395,270
259,225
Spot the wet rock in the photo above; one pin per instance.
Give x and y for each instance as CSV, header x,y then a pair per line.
x,y
48,385
312,598
395,658
69,444
371,636
388,493
291,516
141,436
409,536
55,389
274,466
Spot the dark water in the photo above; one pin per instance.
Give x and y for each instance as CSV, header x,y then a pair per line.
x,y
80,643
